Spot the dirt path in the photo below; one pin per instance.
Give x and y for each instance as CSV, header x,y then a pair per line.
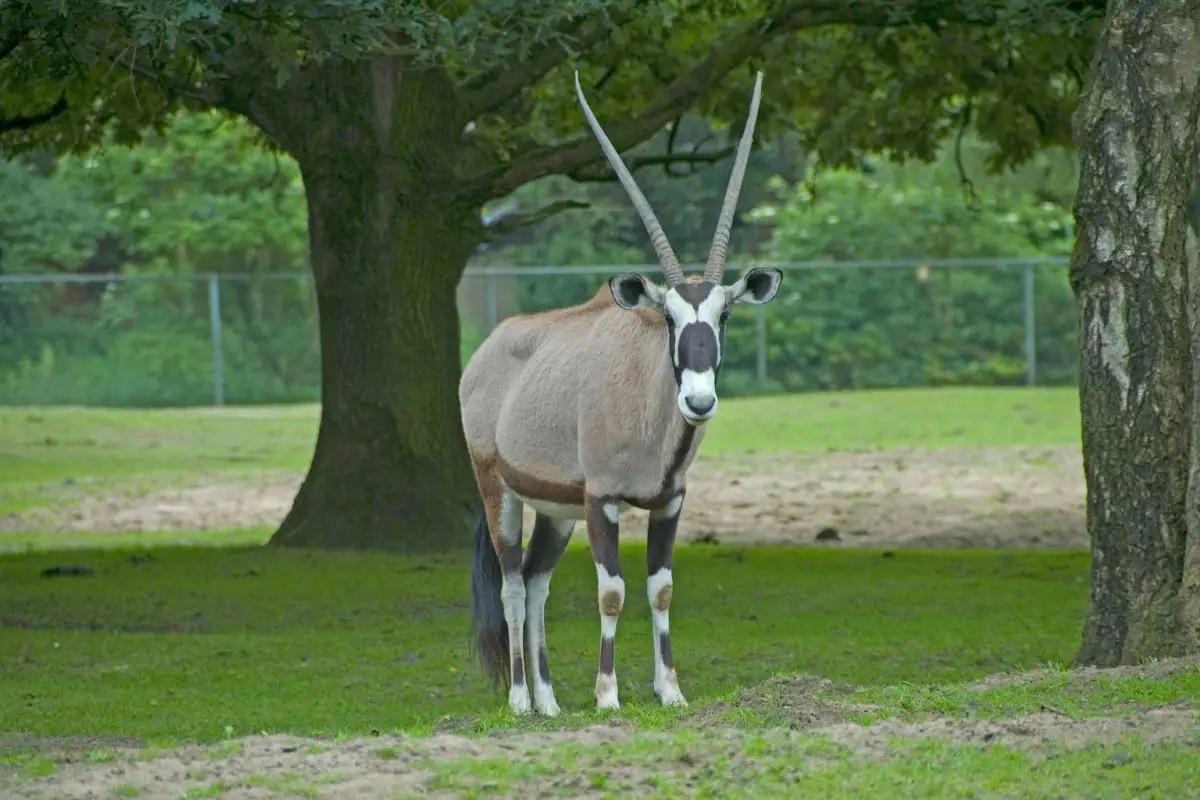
x,y
606,756
1017,497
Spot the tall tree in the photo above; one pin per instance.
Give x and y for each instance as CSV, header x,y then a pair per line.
x,y
1136,275
406,117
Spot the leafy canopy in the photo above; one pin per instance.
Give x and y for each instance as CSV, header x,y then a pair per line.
x,y
848,77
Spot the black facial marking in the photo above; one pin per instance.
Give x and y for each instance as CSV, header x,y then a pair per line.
x,y
697,347
695,293
697,344
721,341
671,349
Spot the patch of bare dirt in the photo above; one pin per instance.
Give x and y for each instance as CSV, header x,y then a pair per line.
x,y
1006,497
1043,730
790,701
1153,670
390,766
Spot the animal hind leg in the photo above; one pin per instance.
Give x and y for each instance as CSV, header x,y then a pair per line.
x,y
660,546
503,509
546,546
603,516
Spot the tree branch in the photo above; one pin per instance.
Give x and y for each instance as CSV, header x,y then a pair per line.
x,y
24,123
12,42
604,174
787,16
511,224
172,88
965,179
494,89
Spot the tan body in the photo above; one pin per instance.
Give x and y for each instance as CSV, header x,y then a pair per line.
x,y
578,401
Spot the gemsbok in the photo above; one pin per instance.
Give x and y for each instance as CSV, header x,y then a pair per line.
x,y
580,413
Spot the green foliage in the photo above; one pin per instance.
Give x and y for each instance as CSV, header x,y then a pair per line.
x,y
48,223
859,77
149,343
202,196
863,327
874,327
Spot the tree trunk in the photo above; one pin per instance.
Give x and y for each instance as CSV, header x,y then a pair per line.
x,y
1139,337
388,244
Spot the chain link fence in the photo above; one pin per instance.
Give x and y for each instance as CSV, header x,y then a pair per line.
x,y
132,340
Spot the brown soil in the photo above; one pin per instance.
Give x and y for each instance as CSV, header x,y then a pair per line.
x,y
390,766
1007,497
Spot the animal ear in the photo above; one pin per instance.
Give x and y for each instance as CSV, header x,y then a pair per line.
x,y
635,291
756,286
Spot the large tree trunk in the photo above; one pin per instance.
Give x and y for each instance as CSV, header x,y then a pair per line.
x,y
1139,337
389,241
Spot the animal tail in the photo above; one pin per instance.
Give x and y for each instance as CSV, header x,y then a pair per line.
x,y
488,627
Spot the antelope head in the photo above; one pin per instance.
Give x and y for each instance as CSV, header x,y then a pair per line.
x,y
696,310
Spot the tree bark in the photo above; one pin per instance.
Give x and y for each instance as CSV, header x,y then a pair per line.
x,y
1139,335
388,244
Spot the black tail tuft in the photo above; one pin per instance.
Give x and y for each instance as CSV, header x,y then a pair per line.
x,y
488,628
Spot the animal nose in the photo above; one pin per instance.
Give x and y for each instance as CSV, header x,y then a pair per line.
x,y
701,403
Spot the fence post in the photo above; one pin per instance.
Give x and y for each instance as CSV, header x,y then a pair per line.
x,y
214,323
760,321
1030,330
492,294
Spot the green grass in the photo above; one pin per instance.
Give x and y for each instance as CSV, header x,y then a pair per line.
x,y
210,643
1061,693
61,443
39,445
892,418
63,542
808,766
205,644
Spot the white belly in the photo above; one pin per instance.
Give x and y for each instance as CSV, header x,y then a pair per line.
x,y
559,510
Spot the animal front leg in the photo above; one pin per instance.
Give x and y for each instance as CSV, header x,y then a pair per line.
x,y
512,593
546,545
660,547
603,516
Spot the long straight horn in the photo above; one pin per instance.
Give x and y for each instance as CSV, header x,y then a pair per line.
x,y
666,256
715,269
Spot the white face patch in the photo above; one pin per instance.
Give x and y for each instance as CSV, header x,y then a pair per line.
x,y
684,313
696,343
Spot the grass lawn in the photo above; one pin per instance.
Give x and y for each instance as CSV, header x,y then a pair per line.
x,y
190,643
236,651
241,650
40,445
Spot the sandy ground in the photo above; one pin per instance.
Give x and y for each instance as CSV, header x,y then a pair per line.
x,y
389,766
1012,497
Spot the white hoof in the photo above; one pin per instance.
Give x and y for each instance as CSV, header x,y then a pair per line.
x,y
671,696
667,689
606,692
518,700
544,702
